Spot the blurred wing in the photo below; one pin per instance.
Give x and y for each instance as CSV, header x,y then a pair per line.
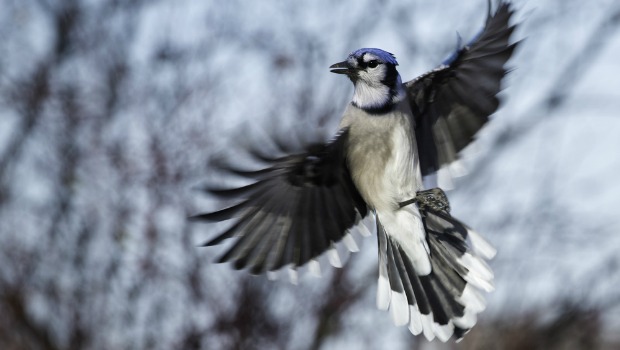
x,y
452,102
296,209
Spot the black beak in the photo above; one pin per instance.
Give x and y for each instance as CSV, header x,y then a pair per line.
x,y
341,68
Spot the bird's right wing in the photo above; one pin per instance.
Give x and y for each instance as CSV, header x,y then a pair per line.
x,y
297,208
452,102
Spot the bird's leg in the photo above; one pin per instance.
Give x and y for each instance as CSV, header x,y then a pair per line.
x,y
434,199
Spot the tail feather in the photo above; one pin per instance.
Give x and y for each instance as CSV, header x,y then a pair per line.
x,y
442,303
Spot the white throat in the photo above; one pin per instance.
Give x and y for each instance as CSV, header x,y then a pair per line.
x,y
376,95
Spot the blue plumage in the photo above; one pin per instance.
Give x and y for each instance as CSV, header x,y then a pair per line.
x,y
383,55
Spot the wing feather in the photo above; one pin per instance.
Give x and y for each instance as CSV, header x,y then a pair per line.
x,y
301,204
461,92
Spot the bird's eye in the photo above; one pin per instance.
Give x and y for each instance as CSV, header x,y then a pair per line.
x,y
373,64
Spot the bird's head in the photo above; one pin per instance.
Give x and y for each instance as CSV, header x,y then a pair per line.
x,y
374,75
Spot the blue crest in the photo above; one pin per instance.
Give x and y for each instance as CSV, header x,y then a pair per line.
x,y
383,55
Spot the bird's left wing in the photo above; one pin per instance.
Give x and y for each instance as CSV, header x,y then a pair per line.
x,y
452,102
297,208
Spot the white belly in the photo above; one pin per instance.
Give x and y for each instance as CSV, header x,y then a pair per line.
x,y
382,157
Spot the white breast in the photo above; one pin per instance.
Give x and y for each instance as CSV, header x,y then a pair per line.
x,y
382,156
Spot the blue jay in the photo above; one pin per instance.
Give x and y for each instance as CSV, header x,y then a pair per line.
x,y
393,134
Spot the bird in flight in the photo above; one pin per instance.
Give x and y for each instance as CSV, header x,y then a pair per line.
x,y
391,137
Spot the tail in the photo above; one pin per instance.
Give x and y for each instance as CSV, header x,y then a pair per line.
x,y
431,268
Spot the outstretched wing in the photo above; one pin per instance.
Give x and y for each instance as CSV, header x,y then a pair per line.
x,y
452,102
297,208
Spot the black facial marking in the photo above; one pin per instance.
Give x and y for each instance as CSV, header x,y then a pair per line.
x,y
360,61
370,64
391,76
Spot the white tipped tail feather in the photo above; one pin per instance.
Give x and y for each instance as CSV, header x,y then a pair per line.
x,y
430,273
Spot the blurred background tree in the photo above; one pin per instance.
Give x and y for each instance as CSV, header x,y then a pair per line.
x,y
110,112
